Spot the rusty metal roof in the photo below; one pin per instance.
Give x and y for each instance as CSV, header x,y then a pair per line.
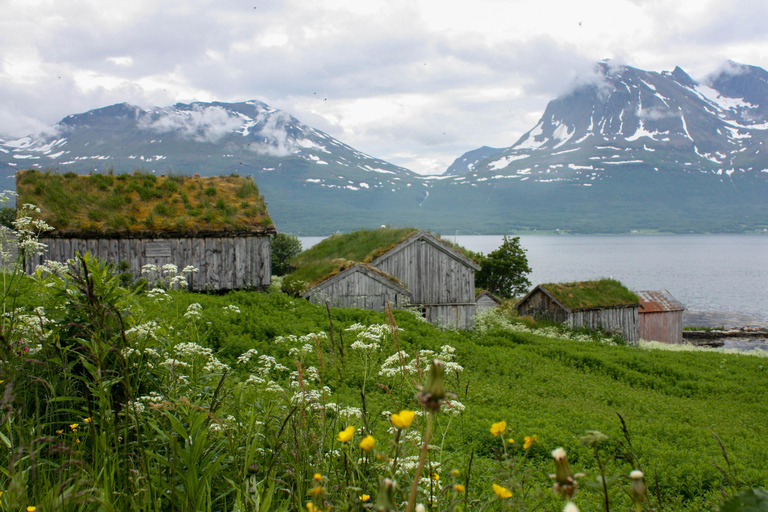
x,y
658,301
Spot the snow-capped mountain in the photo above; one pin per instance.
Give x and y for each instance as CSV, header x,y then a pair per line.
x,y
628,118
301,170
125,137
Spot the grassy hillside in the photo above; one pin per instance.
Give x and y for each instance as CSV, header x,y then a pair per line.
x,y
237,401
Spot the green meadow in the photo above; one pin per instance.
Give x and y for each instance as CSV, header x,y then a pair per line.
x,y
157,399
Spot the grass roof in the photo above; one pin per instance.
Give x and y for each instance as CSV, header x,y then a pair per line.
x,y
592,294
339,252
141,203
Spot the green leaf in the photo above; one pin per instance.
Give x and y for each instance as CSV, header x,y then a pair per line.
x,y
754,500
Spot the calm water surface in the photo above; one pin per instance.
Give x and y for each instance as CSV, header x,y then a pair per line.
x,y
727,273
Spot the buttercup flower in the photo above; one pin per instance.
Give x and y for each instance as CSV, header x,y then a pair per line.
x,y
74,426
459,488
498,428
529,440
346,435
317,477
455,472
404,419
511,441
31,508
87,420
367,443
364,497
435,477
502,492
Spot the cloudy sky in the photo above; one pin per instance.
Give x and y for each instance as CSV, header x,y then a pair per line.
x,y
415,82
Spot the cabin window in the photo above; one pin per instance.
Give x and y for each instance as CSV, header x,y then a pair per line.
x,y
423,312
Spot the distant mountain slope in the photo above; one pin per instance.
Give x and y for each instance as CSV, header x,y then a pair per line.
x,y
624,150
309,179
656,150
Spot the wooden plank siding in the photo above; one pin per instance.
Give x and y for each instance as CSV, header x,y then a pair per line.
x,y
663,326
441,283
223,263
613,319
359,287
620,320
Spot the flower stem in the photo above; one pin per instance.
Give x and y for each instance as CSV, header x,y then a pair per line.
x,y
422,459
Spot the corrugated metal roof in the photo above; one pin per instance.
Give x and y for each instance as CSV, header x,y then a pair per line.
x,y
658,301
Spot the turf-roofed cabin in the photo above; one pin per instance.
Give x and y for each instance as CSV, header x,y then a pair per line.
x,y
604,304
219,225
403,266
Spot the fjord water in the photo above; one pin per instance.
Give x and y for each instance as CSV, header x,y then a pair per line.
x,y
714,273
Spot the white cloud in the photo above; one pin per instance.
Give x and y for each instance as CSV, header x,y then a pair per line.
x,y
414,81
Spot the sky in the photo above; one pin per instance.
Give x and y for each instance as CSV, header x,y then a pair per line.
x,y
414,82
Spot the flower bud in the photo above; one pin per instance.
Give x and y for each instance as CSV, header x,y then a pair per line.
x,y
433,392
637,488
564,481
385,501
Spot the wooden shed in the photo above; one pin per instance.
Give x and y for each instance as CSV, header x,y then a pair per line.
x,y
661,317
485,300
604,305
439,278
219,225
359,286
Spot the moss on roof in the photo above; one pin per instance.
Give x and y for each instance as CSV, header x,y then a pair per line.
x,y
592,294
142,203
339,252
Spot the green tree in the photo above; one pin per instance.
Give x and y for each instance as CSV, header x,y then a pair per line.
x,y
7,216
504,271
284,247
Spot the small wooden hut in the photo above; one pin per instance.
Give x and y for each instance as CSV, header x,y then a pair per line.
x,y
660,317
485,300
219,225
604,305
439,279
359,286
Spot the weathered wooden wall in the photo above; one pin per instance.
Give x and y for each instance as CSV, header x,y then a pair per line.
x,y
356,290
485,303
432,276
539,305
223,263
663,326
452,316
622,320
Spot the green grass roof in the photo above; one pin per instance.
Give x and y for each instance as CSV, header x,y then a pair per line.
x,y
140,203
339,252
592,294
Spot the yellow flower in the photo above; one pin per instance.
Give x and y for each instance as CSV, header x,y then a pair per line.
x,y
404,419
498,428
364,497
455,472
435,477
367,443
459,488
87,420
60,431
529,440
77,441
317,490
31,508
346,435
317,477
74,426
511,441
502,492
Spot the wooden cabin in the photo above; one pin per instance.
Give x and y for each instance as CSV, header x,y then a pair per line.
x,y
485,300
604,305
359,286
439,279
660,317
219,225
